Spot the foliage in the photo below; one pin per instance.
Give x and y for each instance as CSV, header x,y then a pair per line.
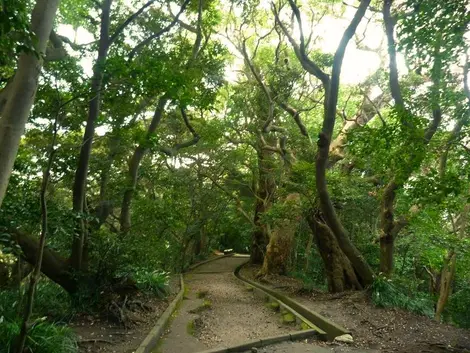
x,y
43,337
155,282
388,293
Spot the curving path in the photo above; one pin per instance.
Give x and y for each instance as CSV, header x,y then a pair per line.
x,y
219,310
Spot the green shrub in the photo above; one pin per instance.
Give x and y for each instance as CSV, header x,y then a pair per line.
x,y
43,337
389,294
458,309
156,282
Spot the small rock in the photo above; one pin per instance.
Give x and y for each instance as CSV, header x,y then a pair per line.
x,y
254,350
347,338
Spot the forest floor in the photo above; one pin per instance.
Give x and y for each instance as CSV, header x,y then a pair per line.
x,y
100,333
386,330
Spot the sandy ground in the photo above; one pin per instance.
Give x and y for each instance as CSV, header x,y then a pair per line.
x,y
386,330
233,315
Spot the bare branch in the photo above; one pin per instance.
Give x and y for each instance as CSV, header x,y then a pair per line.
x,y
299,50
181,23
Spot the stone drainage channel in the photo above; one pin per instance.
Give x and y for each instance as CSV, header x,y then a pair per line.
x,y
222,313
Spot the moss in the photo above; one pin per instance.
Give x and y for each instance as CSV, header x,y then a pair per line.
x,y
206,305
191,327
249,288
273,305
201,294
288,319
304,326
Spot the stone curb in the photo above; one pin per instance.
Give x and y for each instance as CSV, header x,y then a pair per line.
x,y
330,329
294,336
154,335
217,257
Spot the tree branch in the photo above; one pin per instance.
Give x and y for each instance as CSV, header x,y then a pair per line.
x,y
306,63
131,18
146,41
389,30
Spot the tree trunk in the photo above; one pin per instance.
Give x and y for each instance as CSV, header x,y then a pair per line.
x,y
79,187
266,188
339,270
22,92
278,251
134,164
53,265
447,277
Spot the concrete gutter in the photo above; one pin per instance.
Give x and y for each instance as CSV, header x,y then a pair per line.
x,y
217,257
149,343
328,329
298,335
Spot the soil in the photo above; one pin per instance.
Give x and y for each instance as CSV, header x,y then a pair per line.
x,y
219,311
387,330
102,334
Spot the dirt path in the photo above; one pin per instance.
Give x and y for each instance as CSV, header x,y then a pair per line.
x,y
219,311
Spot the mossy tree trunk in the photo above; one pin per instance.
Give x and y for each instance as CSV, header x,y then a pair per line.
x,y
276,260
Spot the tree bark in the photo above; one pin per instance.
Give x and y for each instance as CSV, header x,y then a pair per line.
x,y
279,249
79,187
340,273
447,277
22,92
360,265
389,227
266,188
134,164
28,310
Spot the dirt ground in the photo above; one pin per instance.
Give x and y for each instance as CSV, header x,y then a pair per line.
x,y
387,330
100,334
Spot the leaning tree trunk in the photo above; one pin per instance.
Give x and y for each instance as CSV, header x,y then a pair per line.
x,y
360,265
79,187
279,249
134,164
340,272
22,91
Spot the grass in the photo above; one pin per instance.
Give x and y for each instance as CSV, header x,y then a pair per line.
x,y
43,337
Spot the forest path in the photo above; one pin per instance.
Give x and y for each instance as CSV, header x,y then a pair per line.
x,y
219,311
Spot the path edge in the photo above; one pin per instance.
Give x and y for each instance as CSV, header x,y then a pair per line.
x,y
152,338
196,265
263,342
331,329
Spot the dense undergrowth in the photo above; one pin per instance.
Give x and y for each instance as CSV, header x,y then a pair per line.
x,y
54,309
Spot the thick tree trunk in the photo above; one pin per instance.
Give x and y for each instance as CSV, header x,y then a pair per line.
x,y
134,164
79,187
339,270
266,188
22,91
279,249
53,265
